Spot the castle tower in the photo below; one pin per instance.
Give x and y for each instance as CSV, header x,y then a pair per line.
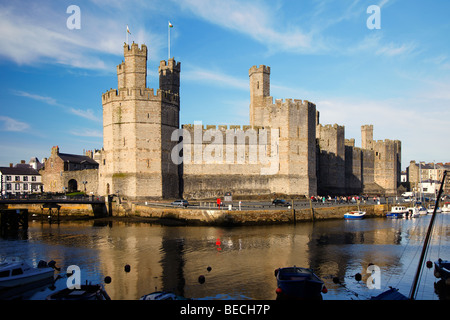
x,y
259,90
137,129
367,137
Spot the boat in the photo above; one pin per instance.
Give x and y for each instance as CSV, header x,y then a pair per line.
x,y
162,295
298,283
397,212
354,215
85,292
442,270
446,207
15,272
431,209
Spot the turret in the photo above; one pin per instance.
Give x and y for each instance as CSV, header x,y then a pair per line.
x,y
169,76
133,72
259,89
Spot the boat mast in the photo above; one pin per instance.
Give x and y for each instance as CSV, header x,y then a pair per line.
x,y
427,239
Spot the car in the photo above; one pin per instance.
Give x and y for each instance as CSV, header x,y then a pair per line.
x,y
180,203
280,202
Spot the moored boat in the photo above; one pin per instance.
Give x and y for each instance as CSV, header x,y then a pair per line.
x,y
298,283
446,207
15,272
354,215
397,212
162,295
85,292
442,270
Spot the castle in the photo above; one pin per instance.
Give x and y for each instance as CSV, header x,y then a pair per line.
x,y
284,149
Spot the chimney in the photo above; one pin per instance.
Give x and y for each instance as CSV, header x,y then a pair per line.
x,y
22,161
10,165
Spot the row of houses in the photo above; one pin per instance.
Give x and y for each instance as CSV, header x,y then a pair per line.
x,y
425,178
61,172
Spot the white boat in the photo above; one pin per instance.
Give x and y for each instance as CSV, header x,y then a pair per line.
x,y
431,209
15,272
397,212
422,210
446,207
355,215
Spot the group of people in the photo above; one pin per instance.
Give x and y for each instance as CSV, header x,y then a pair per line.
x,y
343,199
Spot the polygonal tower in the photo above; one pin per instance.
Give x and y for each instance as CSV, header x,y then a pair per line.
x,y
137,128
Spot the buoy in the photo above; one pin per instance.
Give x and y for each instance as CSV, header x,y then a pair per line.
x,y
209,269
279,291
201,279
127,268
324,289
429,264
107,279
358,277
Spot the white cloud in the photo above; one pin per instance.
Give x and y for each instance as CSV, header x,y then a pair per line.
x,y
35,33
215,77
87,114
254,19
87,133
10,124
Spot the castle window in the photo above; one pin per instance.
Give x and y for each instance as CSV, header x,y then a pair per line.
x,y
257,85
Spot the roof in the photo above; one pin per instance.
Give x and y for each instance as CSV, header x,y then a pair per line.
x,y
22,170
74,158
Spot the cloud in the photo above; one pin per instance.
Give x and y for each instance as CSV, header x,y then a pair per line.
x,y
87,114
215,77
254,19
10,124
36,33
87,133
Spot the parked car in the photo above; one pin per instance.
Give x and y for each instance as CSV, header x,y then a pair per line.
x,y
280,202
180,203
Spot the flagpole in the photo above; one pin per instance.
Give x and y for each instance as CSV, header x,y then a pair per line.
x,y
168,26
127,35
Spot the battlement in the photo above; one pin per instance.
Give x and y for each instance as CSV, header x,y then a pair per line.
x,y
137,93
223,128
134,50
291,102
261,68
332,126
171,64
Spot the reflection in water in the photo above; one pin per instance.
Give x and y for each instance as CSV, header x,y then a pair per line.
x,y
236,263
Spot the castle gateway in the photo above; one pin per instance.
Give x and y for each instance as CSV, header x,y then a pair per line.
x,y
284,149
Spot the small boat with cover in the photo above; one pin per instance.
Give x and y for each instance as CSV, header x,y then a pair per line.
x,y
298,283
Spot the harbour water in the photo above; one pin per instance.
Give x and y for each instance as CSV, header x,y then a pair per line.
x,y
242,260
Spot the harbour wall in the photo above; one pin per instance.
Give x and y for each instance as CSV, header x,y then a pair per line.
x,y
192,216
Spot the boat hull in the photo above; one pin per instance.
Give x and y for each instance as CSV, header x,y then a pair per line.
x,y
298,284
26,279
354,215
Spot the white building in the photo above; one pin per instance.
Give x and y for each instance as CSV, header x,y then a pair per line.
x,y
19,180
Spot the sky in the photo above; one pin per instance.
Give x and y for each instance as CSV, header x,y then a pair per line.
x,y
395,76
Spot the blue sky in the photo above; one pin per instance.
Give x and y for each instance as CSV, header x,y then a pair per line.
x,y
396,77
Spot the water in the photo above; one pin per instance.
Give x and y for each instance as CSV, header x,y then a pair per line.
x,y
242,259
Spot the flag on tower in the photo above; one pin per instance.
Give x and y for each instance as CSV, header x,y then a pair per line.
x,y
128,30
170,25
